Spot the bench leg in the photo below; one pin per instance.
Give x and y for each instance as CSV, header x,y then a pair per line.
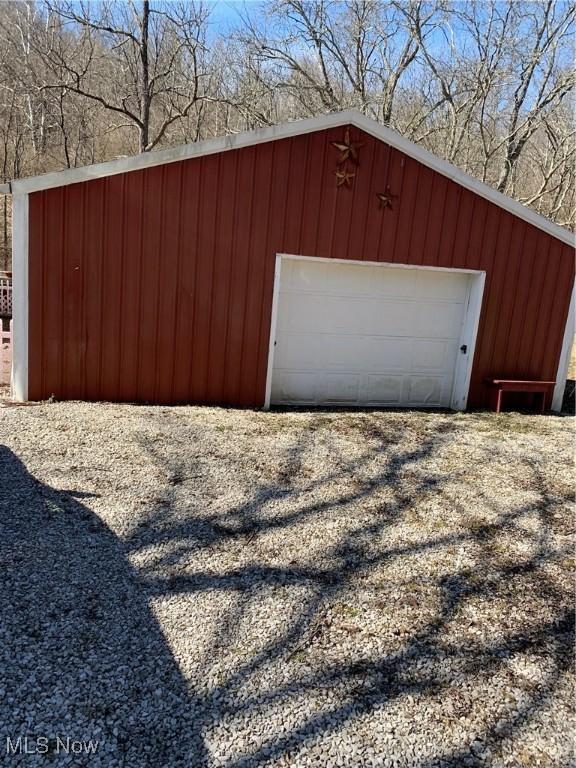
x,y
494,399
499,401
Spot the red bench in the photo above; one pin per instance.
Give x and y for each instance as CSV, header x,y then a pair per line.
x,y
499,386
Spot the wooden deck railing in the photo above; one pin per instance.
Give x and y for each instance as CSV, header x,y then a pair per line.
x,y
5,354
5,297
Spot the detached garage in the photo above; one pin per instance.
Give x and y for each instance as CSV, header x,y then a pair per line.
x,y
323,262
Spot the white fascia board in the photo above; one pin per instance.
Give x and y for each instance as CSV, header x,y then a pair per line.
x,y
184,152
388,136
287,130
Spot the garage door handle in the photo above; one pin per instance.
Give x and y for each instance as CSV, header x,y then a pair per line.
x,y
464,349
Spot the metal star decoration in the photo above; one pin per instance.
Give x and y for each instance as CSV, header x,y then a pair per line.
x,y
386,198
344,177
348,149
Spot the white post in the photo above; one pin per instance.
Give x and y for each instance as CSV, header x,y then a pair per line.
x,y
20,297
564,361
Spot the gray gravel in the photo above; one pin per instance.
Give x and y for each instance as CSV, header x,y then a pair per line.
x,y
209,587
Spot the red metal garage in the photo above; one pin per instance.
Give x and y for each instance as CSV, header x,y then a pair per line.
x,y
160,278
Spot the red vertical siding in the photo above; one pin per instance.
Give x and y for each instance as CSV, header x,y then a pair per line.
x,y
156,285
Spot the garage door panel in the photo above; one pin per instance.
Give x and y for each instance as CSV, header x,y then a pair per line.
x,y
295,312
300,388
433,355
339,388
296,387
389,354
372,353
441,285
425,390
303,275
366,353
347,315
355,356
383,390
300,313
393,283
438,319
304,351
366,335
349,279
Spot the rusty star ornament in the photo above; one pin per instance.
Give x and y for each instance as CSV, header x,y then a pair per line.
x,y
386,198
344,177
348,149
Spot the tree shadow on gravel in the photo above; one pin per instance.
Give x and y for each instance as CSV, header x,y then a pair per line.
x,y
426,663
81,654
90,628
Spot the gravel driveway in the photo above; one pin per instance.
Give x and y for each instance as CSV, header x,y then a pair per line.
x,y
207,587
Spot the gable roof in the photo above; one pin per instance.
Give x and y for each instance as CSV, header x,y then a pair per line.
x,y
287,130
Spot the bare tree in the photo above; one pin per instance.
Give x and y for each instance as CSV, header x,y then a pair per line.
x,y
489,86
546,177
328,56
152,54
543,80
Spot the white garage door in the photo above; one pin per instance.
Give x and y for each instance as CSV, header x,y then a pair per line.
x,y
349,334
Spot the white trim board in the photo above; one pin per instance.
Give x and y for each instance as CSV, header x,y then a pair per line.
x,y
464,363
469,334
19,377
287,130
564,361
272,339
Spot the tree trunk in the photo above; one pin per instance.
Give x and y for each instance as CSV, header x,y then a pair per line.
x,y
145,75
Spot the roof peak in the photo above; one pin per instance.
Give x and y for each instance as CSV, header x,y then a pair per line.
x,y
283,131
